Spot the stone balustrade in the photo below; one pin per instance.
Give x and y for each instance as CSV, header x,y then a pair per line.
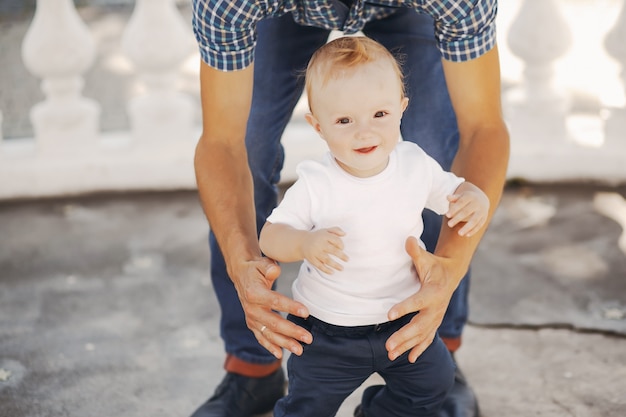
x,y
566,115
562,128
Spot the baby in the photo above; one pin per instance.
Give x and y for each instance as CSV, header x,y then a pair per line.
x,y
348,218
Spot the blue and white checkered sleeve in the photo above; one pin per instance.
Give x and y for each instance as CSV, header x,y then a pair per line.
x,y
226,32
467,30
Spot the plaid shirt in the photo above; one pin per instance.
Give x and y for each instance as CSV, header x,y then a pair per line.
x,y
226,29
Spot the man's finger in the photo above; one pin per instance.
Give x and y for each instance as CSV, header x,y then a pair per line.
x,y
269,299
417,351
415,337
281,335
413,248
410,305
272,271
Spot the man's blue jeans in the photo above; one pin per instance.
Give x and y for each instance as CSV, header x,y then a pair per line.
x,y
282,53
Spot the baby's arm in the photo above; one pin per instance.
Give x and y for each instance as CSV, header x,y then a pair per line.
x,y
321,248
468,204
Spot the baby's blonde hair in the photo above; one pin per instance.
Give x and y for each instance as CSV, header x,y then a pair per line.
x,y
332,60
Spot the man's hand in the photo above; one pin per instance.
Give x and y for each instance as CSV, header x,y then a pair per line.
x,y
261,305
438,284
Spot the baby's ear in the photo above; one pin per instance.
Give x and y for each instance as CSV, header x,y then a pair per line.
x,y
405,103
314,123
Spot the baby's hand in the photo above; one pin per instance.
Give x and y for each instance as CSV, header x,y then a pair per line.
x,y
470,205
323,247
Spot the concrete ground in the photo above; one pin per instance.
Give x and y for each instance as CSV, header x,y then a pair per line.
x,y
106,306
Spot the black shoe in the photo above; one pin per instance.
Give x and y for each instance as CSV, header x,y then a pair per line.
x,y
241,396
461,401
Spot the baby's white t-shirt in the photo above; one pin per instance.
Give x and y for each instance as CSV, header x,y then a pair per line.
x,y
377,214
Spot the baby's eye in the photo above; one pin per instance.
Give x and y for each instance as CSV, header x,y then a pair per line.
x,y
380,114
343,121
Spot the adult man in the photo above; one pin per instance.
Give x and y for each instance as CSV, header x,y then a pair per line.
x,y
252,52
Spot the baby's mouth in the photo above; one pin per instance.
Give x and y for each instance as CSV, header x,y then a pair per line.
x,y
366,150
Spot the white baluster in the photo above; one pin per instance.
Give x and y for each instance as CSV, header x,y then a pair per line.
x,y
539,36
58,48
157,40
615,43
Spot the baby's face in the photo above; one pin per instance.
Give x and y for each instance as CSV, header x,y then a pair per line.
x,y
359,115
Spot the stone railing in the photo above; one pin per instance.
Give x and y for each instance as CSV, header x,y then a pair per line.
x,y
564,65
567,115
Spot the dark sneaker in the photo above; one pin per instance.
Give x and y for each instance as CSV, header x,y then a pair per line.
x,y
241,396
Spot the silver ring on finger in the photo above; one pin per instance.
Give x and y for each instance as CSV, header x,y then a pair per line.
x,y
263,328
